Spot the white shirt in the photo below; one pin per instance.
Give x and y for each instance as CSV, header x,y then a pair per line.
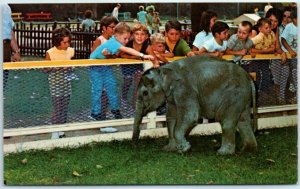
x,y
290,34
8,22
115,12
201,37
212,46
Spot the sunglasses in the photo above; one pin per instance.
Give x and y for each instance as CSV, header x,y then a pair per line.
x,y
286,16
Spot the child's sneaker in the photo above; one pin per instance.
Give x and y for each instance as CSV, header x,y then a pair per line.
x,y
57,135
108,130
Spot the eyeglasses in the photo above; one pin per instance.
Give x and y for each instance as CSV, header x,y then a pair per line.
x,y
286,16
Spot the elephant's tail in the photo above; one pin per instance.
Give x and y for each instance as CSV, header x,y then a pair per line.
x,y
254,108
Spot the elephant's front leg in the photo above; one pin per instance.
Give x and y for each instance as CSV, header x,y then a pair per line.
x,y
185,120
171,122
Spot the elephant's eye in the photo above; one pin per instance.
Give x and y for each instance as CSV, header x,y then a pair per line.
x,y
145,93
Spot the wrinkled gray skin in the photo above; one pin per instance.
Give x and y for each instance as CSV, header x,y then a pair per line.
x,y
196,87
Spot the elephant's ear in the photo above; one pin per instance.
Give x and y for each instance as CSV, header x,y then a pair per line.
x,y
149,78
169,78
148,81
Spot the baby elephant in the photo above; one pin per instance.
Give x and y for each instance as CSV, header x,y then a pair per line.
x,y
196,87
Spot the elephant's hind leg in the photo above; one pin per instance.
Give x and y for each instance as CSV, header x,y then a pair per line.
x,y
228,137
246,132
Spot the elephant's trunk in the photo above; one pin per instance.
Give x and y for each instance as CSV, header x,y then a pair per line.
x,y
137,122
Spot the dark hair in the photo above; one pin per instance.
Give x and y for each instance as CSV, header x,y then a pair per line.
x,y
277,13
58,35
263,21
88,14
173,24
141,8
107,20
294,12
287,8
218,27
247,23
206,16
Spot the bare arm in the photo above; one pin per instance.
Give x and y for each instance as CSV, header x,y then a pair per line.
x,y
134,52
269,50
233,52
288,48
97,42
15,48
202,50
129,56
168,55
150,52
195,48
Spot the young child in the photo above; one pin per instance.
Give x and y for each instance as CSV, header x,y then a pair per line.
x,y
264,43
216,46
88,24
107,25
139,42
158,44
240,44
104,76
174,43
60,87
289,39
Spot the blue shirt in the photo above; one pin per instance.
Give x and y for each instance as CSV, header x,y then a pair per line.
x,y
142,17
88,24
8,22
112,45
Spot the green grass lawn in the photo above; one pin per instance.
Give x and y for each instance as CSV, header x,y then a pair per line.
x,y
117,162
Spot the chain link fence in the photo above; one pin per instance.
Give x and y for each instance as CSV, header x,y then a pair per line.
x,y
58,95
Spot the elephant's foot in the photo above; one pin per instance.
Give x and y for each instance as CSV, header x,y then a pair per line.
x,y
171,147
226,150
183,147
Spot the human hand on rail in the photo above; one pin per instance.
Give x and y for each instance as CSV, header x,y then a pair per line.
x,y
293,53
244,52
16,57
149,57
283,58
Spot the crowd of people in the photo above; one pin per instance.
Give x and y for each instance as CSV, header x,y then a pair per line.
x,y
276,33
